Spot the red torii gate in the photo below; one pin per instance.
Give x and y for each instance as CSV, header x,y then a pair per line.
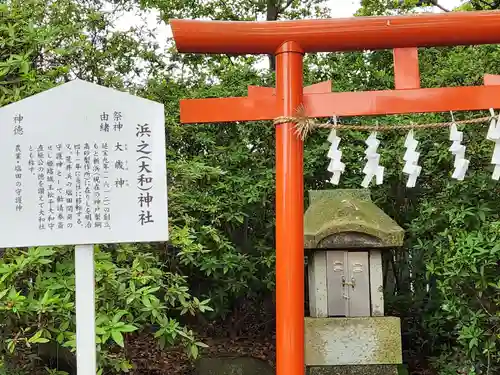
x,y
288,41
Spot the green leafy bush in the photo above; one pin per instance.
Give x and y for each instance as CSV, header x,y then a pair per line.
x,y
464,261
221,189
134,292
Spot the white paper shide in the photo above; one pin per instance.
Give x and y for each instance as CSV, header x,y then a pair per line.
x,y
372,167
82,164
411,156
458,150
494,135
336,167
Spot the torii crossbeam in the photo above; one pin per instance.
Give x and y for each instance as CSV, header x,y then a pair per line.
x,y
288,41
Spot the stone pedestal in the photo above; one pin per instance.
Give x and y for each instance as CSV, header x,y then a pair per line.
x,y
354,370
352,341
347,333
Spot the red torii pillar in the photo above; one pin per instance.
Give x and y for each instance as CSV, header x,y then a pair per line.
x,y
288,41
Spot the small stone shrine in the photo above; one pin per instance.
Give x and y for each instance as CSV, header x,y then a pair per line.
x,y
347,332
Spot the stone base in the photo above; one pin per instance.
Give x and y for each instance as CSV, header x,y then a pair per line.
x,y
352,341
354,370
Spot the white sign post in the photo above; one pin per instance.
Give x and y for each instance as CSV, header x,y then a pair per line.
x,y
82,164
85,310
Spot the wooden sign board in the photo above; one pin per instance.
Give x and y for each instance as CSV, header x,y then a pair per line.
x,y
82,164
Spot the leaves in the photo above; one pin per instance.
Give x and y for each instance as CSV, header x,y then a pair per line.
x,y
117,337
46,313
222,187
37,338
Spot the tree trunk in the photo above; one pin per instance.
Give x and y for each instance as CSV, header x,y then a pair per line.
x,y
272,15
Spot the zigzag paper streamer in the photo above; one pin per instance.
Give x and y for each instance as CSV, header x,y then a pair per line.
x,y
494,135
411,167
461,164
336,167
372,167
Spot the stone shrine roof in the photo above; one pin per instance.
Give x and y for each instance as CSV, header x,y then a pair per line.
x,y
348,219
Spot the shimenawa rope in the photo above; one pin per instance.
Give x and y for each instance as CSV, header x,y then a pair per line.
x,y
304,125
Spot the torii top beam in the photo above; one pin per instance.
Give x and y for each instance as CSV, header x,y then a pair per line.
x,y
341,34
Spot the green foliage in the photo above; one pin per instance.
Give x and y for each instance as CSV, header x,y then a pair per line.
x,y
446,284
461,256
133,291
221,193
240,10
221,188
466,267
43,43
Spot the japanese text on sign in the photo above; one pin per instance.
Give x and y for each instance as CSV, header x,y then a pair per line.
x,y
88,174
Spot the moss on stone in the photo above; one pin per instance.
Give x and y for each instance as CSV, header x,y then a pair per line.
x,y
352,341
347,218
361,194
354,370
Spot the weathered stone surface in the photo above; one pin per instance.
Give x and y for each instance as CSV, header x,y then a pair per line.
x,y
354,370
346,219
352,341
233,366
318,291
376,283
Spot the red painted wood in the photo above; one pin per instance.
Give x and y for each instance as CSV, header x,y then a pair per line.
x,y
338,34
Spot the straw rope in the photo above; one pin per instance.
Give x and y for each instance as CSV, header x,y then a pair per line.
x,y
304,125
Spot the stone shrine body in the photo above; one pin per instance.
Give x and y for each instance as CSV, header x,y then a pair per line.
x,y
347,332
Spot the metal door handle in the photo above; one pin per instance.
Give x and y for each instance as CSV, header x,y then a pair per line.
x,y
351,283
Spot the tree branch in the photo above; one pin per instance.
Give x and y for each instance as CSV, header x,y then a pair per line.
x,y
436,4
287,5
428,2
